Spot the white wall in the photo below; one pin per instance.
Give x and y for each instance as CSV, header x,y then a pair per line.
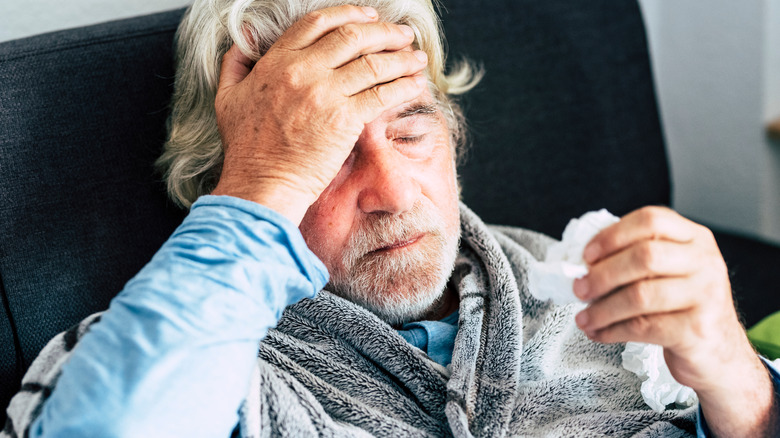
x,y
717,70
21,18
771,212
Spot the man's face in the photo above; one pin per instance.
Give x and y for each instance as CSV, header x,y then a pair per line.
x,y
387,227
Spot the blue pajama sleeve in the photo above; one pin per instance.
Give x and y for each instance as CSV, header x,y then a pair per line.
x,y
173,354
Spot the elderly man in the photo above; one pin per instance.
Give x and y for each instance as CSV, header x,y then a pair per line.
x,y
340,138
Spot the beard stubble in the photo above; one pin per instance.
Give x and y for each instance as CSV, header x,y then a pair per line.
x,y
401,284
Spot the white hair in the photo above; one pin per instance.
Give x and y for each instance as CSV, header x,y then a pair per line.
x,y
192,160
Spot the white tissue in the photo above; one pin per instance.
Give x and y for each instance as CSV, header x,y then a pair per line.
x,y
553,280
659,388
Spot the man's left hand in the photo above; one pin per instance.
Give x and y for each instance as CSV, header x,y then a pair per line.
x,y
658,278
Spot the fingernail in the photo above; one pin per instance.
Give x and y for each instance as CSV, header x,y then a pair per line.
x,y
370,12
407,31
421,80
591,252
581,288
422,56
582,319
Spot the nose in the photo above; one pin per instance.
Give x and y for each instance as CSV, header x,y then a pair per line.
x,y
386,181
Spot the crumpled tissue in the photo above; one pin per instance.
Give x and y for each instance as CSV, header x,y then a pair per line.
x,y
659,388
553,280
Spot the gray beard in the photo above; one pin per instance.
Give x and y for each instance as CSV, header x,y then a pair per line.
x,y
401,285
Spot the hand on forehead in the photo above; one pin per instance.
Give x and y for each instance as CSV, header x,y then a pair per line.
x,y
289,121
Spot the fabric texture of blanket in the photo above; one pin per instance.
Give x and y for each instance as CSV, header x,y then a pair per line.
x,y
520,367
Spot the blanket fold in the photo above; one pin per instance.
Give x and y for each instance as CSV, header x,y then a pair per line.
x,y
520,367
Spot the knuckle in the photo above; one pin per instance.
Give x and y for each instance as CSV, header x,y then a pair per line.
x,y
316,19
380,95
373,65
349,34
292,79
640,296
650,217
646,256
640,326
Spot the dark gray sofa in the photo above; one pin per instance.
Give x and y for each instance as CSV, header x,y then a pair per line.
x,y
564,122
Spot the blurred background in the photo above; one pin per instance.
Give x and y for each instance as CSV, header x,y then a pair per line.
x,y
717,70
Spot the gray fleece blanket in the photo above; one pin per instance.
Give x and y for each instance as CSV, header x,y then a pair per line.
x,y
520,367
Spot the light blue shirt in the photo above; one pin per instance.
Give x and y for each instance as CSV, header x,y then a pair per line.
x,y
173,354
436,338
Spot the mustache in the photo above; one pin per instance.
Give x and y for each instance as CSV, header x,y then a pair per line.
x,y
381,230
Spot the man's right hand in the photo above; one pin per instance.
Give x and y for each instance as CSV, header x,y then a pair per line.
x,y
290,121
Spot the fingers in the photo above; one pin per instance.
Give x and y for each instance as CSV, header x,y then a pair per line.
x,y
379,68
235,67
656,277
660,329
643,298
374,101
317,24
653,223
642,260
351,41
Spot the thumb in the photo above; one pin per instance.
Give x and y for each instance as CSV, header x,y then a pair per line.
x,y
235,67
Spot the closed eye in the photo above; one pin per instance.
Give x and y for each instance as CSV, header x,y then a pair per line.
x,y
410,140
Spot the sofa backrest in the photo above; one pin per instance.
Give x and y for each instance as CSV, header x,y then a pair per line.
x,y
82,118
565,121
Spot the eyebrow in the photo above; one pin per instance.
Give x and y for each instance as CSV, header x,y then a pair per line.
x,y
420,108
